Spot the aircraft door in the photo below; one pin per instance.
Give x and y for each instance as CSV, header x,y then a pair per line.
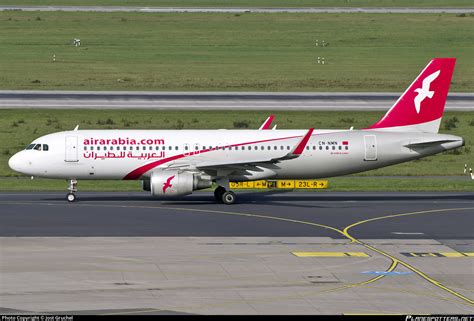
x,y
71,149
370,143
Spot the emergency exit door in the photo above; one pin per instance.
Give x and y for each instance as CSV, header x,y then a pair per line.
x,y
71,149
370,143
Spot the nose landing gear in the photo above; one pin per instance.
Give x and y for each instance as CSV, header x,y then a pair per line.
x,y
71,196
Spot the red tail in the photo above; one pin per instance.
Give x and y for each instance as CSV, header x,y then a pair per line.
x,y
421,106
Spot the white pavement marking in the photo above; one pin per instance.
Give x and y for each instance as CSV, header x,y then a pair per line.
x,y
408,233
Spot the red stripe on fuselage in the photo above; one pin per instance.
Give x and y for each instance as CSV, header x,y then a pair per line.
x,y
136,173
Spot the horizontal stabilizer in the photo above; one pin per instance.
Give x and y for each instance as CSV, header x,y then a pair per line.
x,y
430,142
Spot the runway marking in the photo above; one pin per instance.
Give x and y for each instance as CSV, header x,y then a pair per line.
x,y
408,233
330,254
438,254
395,261
420,273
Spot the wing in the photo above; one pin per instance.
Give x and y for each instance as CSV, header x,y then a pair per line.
x,y
295,152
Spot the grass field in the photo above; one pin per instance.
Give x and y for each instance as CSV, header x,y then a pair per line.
x,y
247,3
19,127
231,52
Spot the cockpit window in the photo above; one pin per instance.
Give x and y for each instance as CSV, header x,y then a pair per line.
x,y
43,147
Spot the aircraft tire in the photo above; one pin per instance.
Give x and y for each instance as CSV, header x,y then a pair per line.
x,y
229,197
71,197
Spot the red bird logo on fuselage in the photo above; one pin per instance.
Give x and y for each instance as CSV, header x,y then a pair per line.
x,y
167,184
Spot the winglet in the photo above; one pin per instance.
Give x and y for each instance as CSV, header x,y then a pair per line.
x,y
267,123
298,149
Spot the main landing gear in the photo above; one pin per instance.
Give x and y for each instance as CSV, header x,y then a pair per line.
x,y
71,196
224,196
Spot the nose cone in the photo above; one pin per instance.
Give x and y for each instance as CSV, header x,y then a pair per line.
x,y
17,162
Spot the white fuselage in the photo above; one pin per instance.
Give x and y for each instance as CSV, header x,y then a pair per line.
x,y
135,154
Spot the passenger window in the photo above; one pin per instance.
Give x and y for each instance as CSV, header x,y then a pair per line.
x,y
98,147
340,147
185,147
176,147
262,148
150,147
320,147
144,147
170,148
307,147
314,147
250,147
255,147
327,147
105,147
92,147
288,147
85,147
347,147
334,147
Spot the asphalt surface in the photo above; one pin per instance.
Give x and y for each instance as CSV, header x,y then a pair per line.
x,y
214,100
444,215
238,10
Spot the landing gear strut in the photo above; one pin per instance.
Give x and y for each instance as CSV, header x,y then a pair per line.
x,y
71,196
218,192
224,196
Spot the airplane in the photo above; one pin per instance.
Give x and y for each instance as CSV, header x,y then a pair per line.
x,y
174,163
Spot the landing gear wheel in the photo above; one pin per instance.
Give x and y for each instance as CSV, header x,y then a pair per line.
x,y
71,197
229,197
218,192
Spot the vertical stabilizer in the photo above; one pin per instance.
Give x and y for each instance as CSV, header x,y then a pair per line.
x,y
421,106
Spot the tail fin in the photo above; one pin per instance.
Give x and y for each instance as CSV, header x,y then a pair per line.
x,y
421,106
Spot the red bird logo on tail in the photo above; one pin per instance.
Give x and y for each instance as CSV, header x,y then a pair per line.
x,y
167,184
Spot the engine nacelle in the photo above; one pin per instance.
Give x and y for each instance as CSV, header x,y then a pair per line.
x,y
176,183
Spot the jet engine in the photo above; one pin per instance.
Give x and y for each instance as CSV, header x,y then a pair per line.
x,y
176,183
